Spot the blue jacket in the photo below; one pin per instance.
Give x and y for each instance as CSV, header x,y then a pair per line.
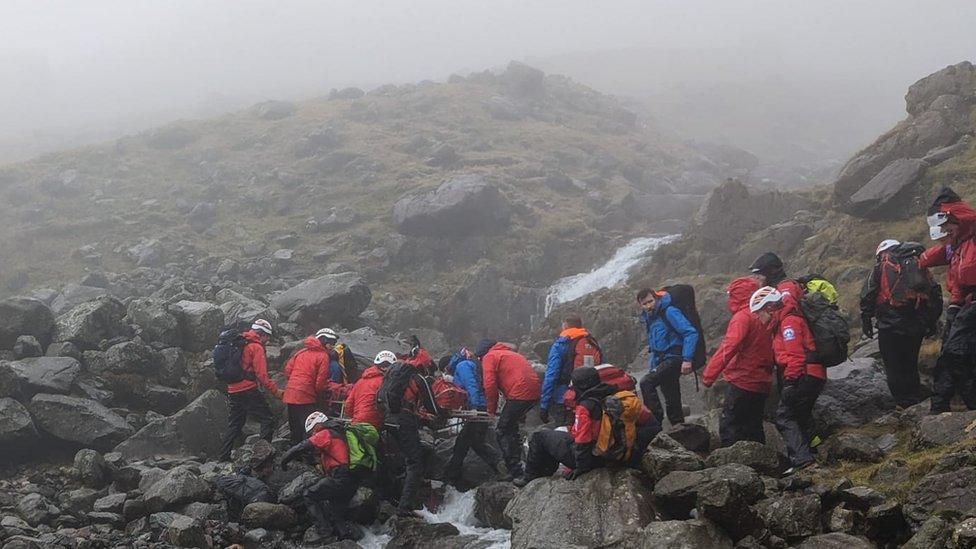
x,y
335,369
466,377
552,390
662,339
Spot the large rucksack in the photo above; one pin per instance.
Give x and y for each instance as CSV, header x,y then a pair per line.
x,y
579,348
831,333
611,375
902,281
449,396
389,397
618,426
362,440
228,356
683,297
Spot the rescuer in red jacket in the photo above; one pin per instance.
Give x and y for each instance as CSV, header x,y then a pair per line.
x,y
803,380
745,360
510,374
360,405
308,380
952,223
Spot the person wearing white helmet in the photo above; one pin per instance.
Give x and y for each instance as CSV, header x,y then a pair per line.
x,y
904,301
360,404
244,396
308,384
328,499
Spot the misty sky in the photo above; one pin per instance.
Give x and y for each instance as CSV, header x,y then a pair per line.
x,y
79,66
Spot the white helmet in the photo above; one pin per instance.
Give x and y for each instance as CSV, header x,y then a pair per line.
x,y
886,245
326,333
314,419
384,357
937,232
261,325
936,221
764,296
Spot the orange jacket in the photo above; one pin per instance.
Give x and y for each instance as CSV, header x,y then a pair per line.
x,y
253,360
308,373
510,373
360,405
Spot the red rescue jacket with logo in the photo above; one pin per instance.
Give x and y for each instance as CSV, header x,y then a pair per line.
x,y
745,357
959,255
510,373
253,360
792,341
308,373
360,404
331,450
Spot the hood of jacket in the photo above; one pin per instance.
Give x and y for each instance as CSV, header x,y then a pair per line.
x,y
663,302
252,337
790,307
739,291
573,333
372,372
312,343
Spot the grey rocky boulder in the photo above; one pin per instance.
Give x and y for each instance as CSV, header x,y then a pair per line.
x,y
665,455
600,508
25,378
87,324
943,429
79,421
16,426
325,300
73,295
791,517
202,216
158,325
679,534
469,203
200,323
128,357
836,540
240,308
934,532
148,252
24,316
951,491
675,495
886,195
176,487
36,509
91,469
273,109
490,501
27,346
273,516
732,210
853,447
726,499
760,457
856,393
193,431
184,531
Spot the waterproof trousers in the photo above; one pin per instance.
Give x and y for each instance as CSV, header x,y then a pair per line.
x,y
247,403
667,377
327,501
297,414
742,417
507,432
407,438
473,436
953,374
794,416
548,448
899,352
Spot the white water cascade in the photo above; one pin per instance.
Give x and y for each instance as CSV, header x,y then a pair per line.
x,y
457,509
613,272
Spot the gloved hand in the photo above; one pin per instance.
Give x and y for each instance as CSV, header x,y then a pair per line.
x,y
867,327
544,415
293,452
951,313
575,474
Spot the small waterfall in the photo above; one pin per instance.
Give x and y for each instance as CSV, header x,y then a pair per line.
x,y
615,271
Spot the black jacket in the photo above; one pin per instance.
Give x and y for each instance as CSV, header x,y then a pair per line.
x,y
906,320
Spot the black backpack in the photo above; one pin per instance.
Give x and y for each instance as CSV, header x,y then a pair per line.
x,y
389,397
228,356
831,333
903,281
683,297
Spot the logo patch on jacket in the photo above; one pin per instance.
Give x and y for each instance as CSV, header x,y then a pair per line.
x,y
789,334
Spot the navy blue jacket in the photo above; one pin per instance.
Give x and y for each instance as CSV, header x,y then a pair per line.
x,y
675,337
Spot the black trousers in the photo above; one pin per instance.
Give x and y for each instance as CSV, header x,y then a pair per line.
x,y
473,436
953,374
794,416
548,448
327,500
248,403
407,438
508,434
899,352
667,377
559,415
742,417
297,414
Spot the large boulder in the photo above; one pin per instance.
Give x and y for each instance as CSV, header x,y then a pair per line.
x,y
951,491
240,308
128,357
87,324
79,421
679,534
675,495
600,508
469,204
726,499
836,540
24,316
158,325
886,195
490,501
176,487
25,378
760,457
792,517
273,516
856,393
943,429
665,455
193,431
73,295
16,426
732,210
200,324
325,300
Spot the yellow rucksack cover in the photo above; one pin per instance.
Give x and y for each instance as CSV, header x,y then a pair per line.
x,y
618,426
819,285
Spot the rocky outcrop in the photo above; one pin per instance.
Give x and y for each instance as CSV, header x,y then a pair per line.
x,y
490,502
200,323
324,301
158,325
25,378
601,508
78,421
950,491
468,204
881,197
486,304
87,324
856,393
20,316
943,429
193,431
16,427
679,534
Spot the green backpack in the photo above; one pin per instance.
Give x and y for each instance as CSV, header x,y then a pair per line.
x,y
362,439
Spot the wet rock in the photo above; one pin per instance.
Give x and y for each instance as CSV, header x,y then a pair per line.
x,y
128,357
24,316
205,511
86,325
694,437
79,421
853,447
600,508
732,210
200,323
147,253
239,308
964,534
844,520
944,429
490,501
90,468
468,202
112,503
73,295
176,487
27,346
888,193
856,394
760,457
934,532
726,498
16,426
892,472
679,534
193,431
185,531
860,498
324,300
158,325
35,509
273,516
406,533
25,378
885,523
835,540
791,517
950,491
78,501
665,455
291,493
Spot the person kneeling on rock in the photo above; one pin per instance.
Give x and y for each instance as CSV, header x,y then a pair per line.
x,y
327,500
611,427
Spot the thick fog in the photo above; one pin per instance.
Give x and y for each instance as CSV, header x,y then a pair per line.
x,y
74,72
